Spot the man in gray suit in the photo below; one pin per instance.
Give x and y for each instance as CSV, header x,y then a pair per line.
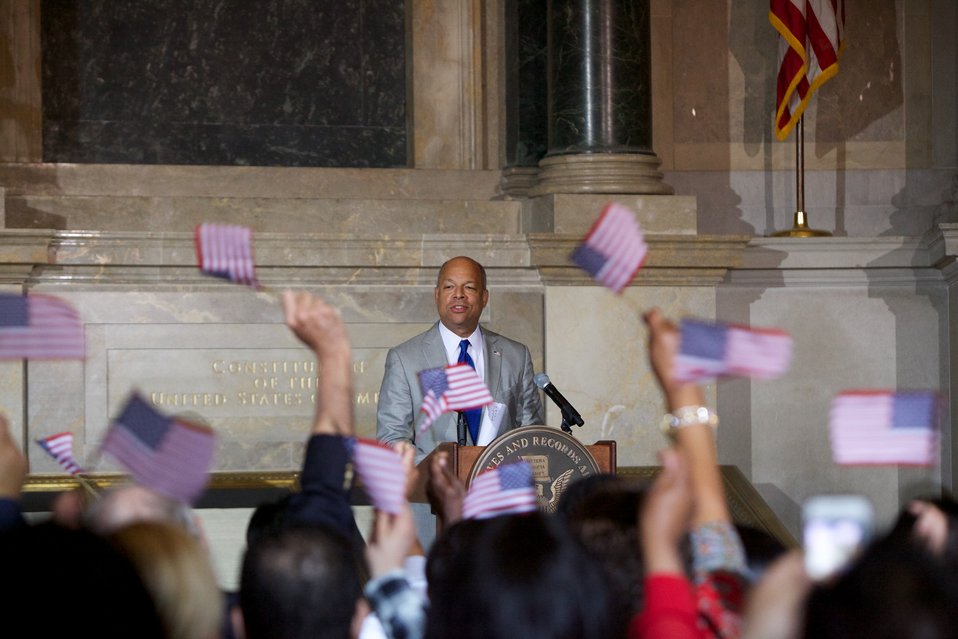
x,y
505,365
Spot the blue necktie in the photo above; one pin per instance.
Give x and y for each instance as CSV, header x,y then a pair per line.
x,y
473,416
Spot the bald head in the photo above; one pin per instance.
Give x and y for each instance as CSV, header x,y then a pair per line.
x,y
461,294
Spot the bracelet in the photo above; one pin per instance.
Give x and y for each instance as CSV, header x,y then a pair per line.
x,y
688,416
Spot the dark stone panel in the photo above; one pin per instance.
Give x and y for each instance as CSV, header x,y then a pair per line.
x,y
98,142
285,82
526,82
600,92
383,70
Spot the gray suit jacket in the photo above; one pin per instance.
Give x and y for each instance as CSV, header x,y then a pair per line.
x,y
508,374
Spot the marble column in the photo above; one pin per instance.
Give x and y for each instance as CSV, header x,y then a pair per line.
x,y
599,100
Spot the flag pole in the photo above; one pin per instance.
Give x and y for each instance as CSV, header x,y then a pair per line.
x,y
800,226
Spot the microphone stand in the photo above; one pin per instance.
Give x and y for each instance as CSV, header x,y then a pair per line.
x,y
566,420
461,428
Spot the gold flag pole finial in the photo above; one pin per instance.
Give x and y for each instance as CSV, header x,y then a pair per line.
x,y
800,226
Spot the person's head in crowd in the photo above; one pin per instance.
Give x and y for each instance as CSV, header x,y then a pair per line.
x,y
72,582
580,494
177,572
131,503
894,591
932,522
515,576
461,295
603,511
301,583
267,519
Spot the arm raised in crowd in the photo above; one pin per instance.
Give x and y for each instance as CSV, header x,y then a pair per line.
x,y
320,327
717,553
324,498
697,441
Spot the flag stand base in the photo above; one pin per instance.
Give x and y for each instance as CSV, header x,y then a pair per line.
x,y
800,228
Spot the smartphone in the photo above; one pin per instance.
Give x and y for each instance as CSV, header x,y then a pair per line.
x,y
835,529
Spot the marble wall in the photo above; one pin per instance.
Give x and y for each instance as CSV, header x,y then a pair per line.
x,y
864,314
880,137
269,84
205,347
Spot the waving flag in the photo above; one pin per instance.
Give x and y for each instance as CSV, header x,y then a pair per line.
x,y
884,427
452,388
384,479
614,250
812,38
226,250
60,447
504,490
39,327
170,456
709,350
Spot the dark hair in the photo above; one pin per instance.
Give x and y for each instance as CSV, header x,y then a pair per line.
x,y
299,583
99,592
602,511
267,519
895,591
903,529
515,576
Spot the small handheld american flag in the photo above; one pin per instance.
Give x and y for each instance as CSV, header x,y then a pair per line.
x,y
614,249
168,455
451,388
39,327
884,427
504,490
381,470
708,350
60,447
226,250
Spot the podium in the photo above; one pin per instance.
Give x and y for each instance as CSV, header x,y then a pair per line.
x,y
464,458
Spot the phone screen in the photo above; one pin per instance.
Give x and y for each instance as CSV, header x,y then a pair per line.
x,y
836,527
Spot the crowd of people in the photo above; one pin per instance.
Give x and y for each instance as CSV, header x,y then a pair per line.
x,y
618,558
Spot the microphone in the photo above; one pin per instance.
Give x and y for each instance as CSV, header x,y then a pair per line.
x,y
568,412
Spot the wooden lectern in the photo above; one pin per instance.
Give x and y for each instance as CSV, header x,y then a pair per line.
x,y
463,458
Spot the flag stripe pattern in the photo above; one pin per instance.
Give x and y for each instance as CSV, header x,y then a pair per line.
x,y
170,456
812,38
226,250
709,350
614,249
451,388
381,470
504,490
39,327
884,427
60,447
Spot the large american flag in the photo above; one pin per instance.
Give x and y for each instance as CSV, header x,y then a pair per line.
x,y
450,388
60,447
226,250
614,249
39,327
381,470
708,350
884,427
812,38
168,455
504,490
